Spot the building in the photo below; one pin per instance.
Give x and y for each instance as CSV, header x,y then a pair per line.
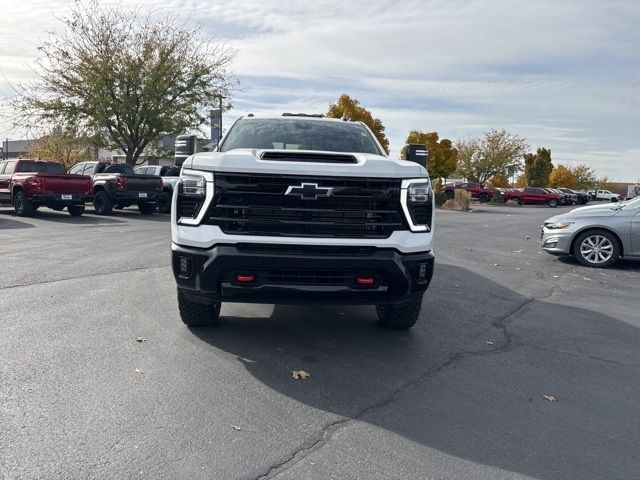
x,y
16,148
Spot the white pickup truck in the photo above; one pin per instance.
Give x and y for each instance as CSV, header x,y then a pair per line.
x,y
605,195
302,209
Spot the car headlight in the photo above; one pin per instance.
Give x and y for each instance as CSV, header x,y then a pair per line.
x,y
416,197
558,225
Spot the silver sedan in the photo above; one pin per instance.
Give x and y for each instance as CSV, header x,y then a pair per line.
x,y
597,235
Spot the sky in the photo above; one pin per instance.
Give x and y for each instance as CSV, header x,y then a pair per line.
x,y
563,74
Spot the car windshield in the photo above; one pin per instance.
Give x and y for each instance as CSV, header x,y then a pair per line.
x,y
299,134
40,167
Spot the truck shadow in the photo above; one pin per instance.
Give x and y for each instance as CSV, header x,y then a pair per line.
x,y
456,383
10,224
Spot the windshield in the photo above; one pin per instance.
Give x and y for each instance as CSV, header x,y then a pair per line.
x,y
297,134
40,167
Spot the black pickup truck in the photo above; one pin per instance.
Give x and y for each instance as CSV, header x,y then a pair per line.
x,y
116,185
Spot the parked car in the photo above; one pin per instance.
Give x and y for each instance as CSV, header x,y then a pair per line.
x,y
582,198
169,174
534,196
29,184
116,185
605,195
569,199
597,235
483,194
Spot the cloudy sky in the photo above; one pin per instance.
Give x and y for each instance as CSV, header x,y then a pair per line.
x,y
563,74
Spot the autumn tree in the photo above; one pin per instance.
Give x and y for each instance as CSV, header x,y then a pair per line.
x,y
521,181
63,144
561,176
443,157
500,180
498,151
538,167
347,107
126,77
585,176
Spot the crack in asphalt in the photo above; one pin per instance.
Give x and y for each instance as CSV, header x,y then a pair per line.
x,y
324,435
79,277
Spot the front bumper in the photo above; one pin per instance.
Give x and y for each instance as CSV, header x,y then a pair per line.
x,y
556,242
57,199
304,276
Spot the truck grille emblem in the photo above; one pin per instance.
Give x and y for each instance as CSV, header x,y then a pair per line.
x,y
309,191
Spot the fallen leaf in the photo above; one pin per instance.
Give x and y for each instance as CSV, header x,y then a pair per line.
x,y
300,374
236,428
496,265
556,276
489,343
586,278
551,398
140,339
139,370
518,251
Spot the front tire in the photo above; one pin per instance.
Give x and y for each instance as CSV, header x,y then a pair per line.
x,y
147,208
517,200
102,203
399,316
197,314
553,203
484,198
22,205
75,210
596,249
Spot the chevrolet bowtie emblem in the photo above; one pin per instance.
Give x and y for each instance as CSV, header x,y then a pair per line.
x,y
309,191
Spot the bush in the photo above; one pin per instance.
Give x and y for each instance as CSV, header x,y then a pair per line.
x,y
463,198
497,198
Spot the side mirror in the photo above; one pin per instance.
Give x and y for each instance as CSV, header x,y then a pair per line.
x,y
417,153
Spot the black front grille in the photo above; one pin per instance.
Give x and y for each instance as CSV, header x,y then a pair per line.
x,y
257,205
307,250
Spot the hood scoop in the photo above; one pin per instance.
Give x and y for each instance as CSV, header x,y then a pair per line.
x,y
297,156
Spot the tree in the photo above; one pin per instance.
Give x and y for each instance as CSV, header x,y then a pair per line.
x,y
499,180
538,167
498,151
561,176
443,157
585,176
521,181
125,77
347,107
63,144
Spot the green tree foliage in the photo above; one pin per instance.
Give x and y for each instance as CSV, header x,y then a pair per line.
x,y
347,107
562,176
497,152
585,176
538,167
121,74
443,157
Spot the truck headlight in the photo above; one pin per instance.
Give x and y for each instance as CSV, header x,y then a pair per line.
x,y
416,198
193,195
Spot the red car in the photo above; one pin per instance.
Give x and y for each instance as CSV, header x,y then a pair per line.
x,y
483,194
534,196
29,184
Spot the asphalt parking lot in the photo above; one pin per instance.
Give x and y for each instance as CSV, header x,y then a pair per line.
x,y
462,395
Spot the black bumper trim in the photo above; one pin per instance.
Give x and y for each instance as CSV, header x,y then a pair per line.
x,y
56,199
134,197
205,282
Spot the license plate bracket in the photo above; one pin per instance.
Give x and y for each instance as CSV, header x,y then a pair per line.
x,y
142,195
67,197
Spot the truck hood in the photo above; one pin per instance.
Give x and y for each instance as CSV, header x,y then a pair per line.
x,y
249,161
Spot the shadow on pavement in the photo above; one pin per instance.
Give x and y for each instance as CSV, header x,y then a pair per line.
x,y
10,224
461,395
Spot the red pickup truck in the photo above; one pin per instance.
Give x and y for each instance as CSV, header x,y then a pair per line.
x,y
29,184
483,194
533,196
